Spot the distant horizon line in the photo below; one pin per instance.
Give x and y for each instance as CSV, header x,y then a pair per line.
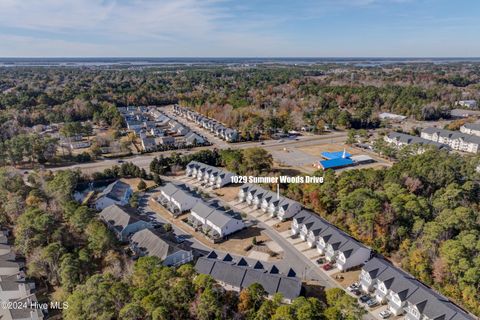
x,y
240,57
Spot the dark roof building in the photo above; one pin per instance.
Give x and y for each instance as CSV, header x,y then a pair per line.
x,y
239,275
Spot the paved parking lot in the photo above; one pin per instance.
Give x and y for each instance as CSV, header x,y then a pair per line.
x,y
294,157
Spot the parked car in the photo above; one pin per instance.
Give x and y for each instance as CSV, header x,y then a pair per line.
x,y
364,298
353,286
385,314
372,303
327,266
320,261
356,292
180,239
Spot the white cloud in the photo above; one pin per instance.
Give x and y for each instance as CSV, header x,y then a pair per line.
x,y
136,27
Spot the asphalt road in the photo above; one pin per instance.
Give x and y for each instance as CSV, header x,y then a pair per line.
x,y
143,160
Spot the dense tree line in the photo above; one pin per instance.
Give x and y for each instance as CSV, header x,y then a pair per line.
x,y
423,212
63,241
27,147
244,161
256,100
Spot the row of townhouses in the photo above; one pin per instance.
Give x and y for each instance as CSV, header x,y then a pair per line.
x,y
269,202
177,198
15,288
212,176
236,274
211,218
454,139
214,220
400,140
471,128
156,129
144,240
338,247
405,295
220,130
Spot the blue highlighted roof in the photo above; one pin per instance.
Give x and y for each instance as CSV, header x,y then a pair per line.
x,y
335,163
335,155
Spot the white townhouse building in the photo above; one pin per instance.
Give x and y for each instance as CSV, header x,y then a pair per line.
x,y
352,254
400,140
267,199
215,220
370,272
227,134
298,221
454,139
276,205
214,177
471,128
319,225
177,198
406,295
244,191
287,209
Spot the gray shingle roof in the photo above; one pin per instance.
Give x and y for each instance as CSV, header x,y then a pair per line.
x,y
376,266
228,273
318,225
115,190
152,244
408,139
202,209
241,276
269,282
302,216
171,188
207,168
119,217
472,126
350,247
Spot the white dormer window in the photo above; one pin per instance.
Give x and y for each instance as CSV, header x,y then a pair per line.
x,y
382,287
366,276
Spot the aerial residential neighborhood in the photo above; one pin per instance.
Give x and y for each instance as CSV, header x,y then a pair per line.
x,y
239,160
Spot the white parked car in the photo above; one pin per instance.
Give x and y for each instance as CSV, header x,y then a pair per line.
x,y
385,314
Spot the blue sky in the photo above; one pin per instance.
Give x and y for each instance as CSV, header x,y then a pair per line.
x,y
240,28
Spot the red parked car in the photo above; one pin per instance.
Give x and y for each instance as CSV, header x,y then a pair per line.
x,y
327,266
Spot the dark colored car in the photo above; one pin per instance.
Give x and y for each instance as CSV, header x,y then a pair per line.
x,y
180,239
356,292
364,298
